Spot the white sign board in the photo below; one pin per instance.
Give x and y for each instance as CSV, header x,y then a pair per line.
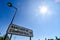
x,y
18,30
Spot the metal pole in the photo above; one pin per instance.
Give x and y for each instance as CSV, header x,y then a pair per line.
x,y
30,38
10,36
13,19
45,38
10,5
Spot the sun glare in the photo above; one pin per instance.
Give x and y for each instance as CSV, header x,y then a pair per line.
x,y
43,10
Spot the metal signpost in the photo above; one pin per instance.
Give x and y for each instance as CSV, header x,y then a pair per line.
x,y
15,29
19,30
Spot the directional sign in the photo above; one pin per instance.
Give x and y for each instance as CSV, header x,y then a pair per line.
x,y
18,30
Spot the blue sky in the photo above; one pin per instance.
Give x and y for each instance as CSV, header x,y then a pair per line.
x,y
29,16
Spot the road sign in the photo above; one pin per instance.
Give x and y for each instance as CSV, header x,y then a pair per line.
x,y
18,30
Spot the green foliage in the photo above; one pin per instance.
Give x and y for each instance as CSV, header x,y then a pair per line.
x,y
2,38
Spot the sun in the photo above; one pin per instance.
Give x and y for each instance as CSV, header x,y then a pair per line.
x,y
43,9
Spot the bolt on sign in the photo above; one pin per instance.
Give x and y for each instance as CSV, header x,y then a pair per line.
x,y
19,30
